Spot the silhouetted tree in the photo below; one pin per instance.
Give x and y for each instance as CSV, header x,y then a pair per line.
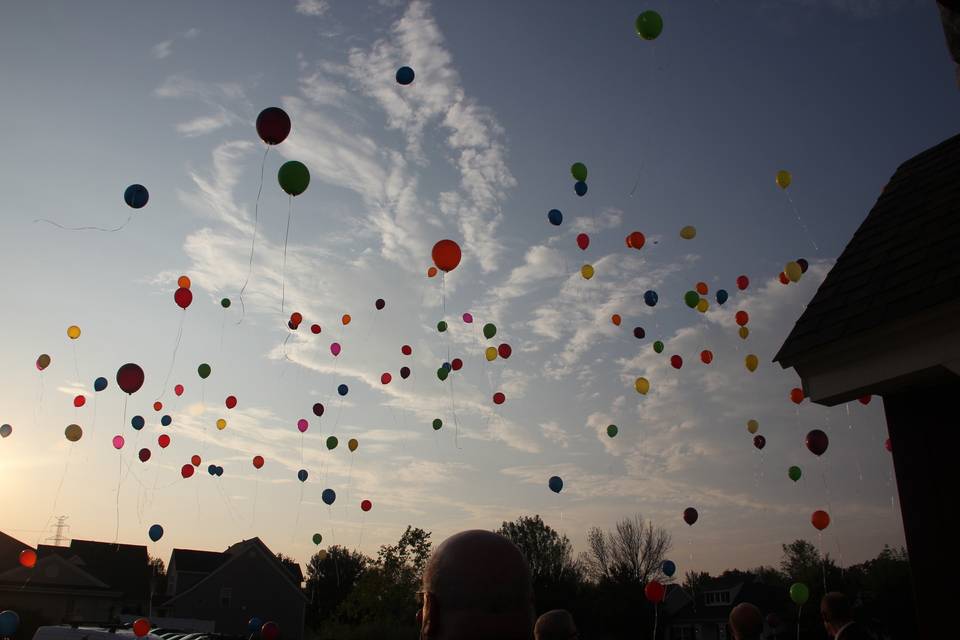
x,y
330,579
556,574
631,553
158,575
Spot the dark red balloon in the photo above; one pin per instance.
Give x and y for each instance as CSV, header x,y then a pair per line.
x,y
144,454
676,362
796,395
784,278
743,282
257,461
270,631
406,350
385,378
163,441
318,409
456,364
690,515
888,445
404,372
273,125
380,304
742,318
759,442
583,241
314,329
130,378
446,255
366,505
499,398
636,240
231,402
817,441
186,470
504,350
183,297
654,591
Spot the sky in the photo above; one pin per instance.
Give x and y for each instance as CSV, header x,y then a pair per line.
x,y
689,129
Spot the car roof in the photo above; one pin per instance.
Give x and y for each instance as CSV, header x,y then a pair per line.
x,y
65,632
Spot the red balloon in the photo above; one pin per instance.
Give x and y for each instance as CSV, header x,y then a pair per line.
x,y
796,395
195,460
231,402
759,442
690,515
28,558
784,278
446,255
178,389
817,441
296,317
273,125
79,401
157,406
406,350
183,297
654,591
186,470
702,288
865,399
432,271
144,454
636,240
504,350
676,362
888,445
583,241
742,318
163,441
499,398
820,520
366,505
141,627
257,462
386,378
404,372
270,631
743,282
456,364
706,356
130,378
314,329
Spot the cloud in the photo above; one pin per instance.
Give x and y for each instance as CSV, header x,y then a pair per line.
x,y
162,49
312,7
204,124
226,99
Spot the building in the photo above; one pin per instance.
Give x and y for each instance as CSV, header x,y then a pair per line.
x,y
703,614
230,587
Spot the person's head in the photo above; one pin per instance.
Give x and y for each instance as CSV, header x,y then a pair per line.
x,y
555,625
746,622
476,585
835,611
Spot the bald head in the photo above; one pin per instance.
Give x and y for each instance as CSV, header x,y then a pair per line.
x,y
746,622
478,586
555,625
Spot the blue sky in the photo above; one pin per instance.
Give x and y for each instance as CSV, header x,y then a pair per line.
x,y
688,129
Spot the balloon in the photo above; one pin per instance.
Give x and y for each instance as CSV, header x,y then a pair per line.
x,y
799,593
555,483
658,346
296,318
691,298
332,443
225,303
379,304
157,406
580,188
702,288
345,319
690,515
302,425
706,356
490,353
744,332
204,371
317,538
636,240
166,420
442,326
650,297
28,558
186,470
794,473
230,402
639,333
73,332
702,305
468,318
743,282
489,330
616,319
642,386
5,430
865,399
9,623
79,401
270,631
366,505
579,171
751,362
783,178
668,568
136,196
555,217
100,384
676,362
343,389
796,395
273,125
689,232
254,624
405,75
499,398
317,409
404,372
328,496
804,265
144,454
195,460
759,442
887,444
431,272
212,469
406,350
793,271
437,424
783,278
583,241
178,389
335,349
294,177
385,378
586,271
183,282
43,361
654,591
352,444
155,532
649,25
73,432
742,318
612,430
817,442
221,424
163,440
722,296
302,475
118,442
446,255
183,297
752,426
457,363
257,462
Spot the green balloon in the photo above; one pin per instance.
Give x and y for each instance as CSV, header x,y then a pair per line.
x,y
437,423
293,177
649,25
204,371
691,298
332,442
225,303
612,430
794,473
442,373
658,346
317,538
489,330
579,171
799,593
442,326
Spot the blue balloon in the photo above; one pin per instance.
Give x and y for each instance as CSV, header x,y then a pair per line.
x,y
254,625
136,196
668,568
405,75
100,384
555,217
650,297
137,422
9,621
328,496
219,471
166,420
302,475
155,532
212,469
343,389
580,188
722,296
555,484
446,365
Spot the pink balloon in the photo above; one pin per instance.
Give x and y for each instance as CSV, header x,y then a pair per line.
x,y
468,318
335,349
302,425
118,442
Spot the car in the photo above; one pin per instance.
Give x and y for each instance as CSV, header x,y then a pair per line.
x,y
67,632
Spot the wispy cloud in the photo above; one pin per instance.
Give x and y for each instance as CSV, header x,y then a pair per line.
x,y
163,49
312,7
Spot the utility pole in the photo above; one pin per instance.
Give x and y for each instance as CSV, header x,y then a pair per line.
x,y
60,528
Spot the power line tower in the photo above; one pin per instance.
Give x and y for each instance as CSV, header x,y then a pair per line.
x,y
59,529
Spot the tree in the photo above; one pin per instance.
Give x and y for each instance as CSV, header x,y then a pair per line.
x,y
631,553
158,575
331,576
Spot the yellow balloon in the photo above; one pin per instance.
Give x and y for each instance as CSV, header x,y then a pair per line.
x,y
586,271
744,332
73,432
491,354
784,178
793,271
703,305
73,332
642,385
752,362
221,424
352,444
689,232
752,426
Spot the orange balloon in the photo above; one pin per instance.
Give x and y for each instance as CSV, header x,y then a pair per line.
x,y
183,282
446,255
702,288
432,271
820,520
706,356
616,319
346,319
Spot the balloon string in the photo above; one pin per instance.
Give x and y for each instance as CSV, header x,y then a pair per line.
x,y
253,243
57,224
76,364
799,616
173,358
800,222
283,268
655,617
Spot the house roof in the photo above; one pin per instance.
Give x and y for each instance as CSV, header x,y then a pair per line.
x,y
122,566
54,571
10,549
766,597
900,262
196,561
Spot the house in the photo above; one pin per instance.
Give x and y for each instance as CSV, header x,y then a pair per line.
x,y
886,321
230,587
703,614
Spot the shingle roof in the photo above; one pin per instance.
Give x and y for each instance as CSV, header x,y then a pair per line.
x,y
902,260
122,566
198,561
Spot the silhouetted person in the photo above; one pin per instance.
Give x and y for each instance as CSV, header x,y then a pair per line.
x,y
838,620
555,625
476,585
746,622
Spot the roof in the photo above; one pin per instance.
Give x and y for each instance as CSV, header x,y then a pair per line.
x,y
900,262
766,597
56,572
196,561
10,549
122,566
